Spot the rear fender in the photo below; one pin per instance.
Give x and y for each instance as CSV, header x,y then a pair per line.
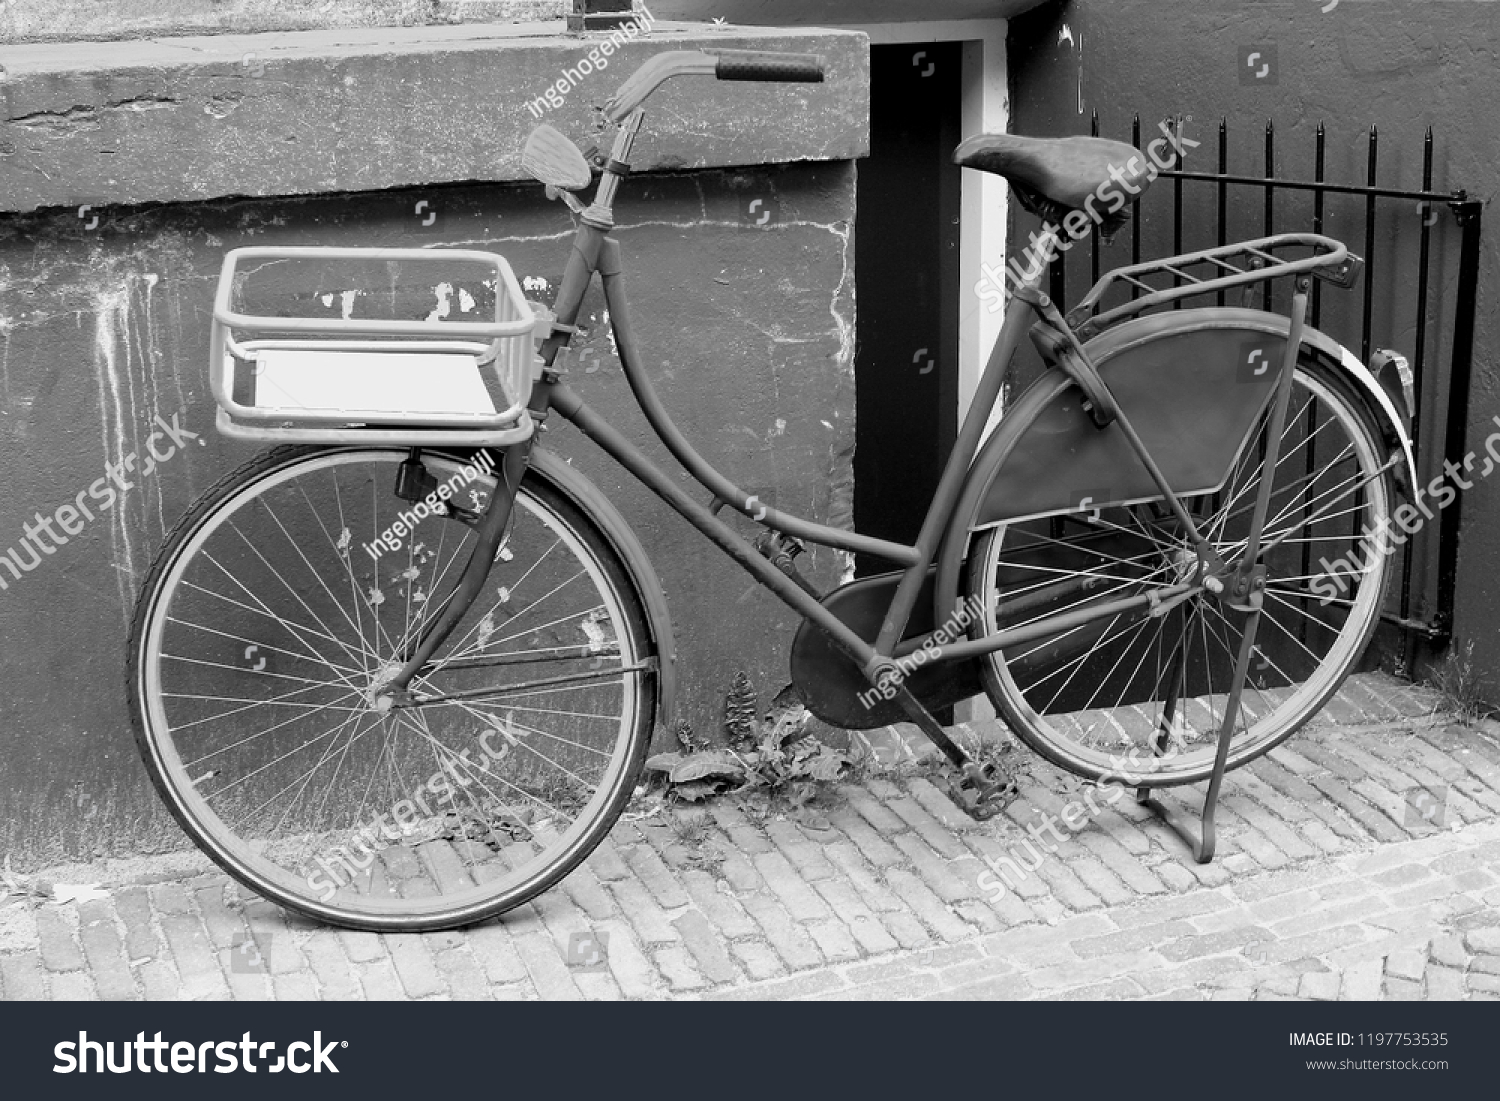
x,y
1176,404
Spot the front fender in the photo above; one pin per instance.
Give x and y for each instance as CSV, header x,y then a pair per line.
x,y
1175,399
588,497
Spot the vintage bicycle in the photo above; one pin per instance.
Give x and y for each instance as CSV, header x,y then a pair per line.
x,y
402,671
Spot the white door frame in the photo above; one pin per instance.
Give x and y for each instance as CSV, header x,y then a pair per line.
x,y
982,203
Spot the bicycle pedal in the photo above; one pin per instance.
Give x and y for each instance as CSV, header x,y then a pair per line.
x,y
982,791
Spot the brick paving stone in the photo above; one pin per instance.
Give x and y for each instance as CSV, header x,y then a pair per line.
x,y
1101,880
1119,990
1338,913
1013,868
707,947
1402,990
844,900
803,854
739,874
872,845
605,862
362,947
898,988
907,930
678,966
745,837
928,908
1131,940
1122,862
1374,821
331,968
379,981
1280,907
855,871
158,981
1207,970
834,940
549,974
657,877
1061,976
1484,940
631,969
1480,982
980,915
170,898
298,987
1445,984
875,812
582,886
1006,988
1361,982
758,960
1065,885
462,974
719,906
106,955
1311,945
649,920
936,803
55,937
133,904
225,925
801,901
1299,792
1194,945
73,986
415,966
798,986
789,939
1408,963
1175,876
937,873
197,963
1322,986
21,977
1153,911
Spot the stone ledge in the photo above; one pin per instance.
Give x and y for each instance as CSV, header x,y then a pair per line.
x,y
306,112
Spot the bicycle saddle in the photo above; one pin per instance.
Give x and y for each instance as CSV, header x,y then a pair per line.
x,y
1053,177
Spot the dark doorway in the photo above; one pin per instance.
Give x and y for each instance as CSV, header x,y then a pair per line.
x,y
906,239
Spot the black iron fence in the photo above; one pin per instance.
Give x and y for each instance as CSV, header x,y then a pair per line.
x,y
1418,296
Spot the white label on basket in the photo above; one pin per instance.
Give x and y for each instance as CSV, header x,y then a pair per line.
x,y
394,382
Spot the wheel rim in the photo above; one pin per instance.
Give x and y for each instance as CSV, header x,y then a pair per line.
x,y
302,781
1095,698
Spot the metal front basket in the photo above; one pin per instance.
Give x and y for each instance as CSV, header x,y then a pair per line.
x,y
293,377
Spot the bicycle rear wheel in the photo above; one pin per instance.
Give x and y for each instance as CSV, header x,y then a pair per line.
x,y
1096,699
266,629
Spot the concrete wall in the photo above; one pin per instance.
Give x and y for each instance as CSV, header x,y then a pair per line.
x,y
1403,65
335,141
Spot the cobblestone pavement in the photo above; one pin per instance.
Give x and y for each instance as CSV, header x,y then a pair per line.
x,y
1361,861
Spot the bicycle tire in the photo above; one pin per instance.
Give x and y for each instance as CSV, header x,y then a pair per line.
x,y
493,873
1073,727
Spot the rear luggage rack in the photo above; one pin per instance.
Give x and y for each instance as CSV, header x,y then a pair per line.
x,y
1238,265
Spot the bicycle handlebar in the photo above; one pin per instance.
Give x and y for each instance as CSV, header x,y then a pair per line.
x,y
723,64
761,65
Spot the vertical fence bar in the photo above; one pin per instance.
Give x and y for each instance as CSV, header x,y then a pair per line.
x,y
1177,212
1223,234
1364,346
1135,210
1419,375
1094,243
1268,299
1455,436
1320,149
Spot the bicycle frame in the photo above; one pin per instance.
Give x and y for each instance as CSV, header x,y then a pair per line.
x,y
595,251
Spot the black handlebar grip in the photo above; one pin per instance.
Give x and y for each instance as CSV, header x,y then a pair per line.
x,y
760,65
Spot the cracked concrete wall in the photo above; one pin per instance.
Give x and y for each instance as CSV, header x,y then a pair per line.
x,y
747,330
1403,65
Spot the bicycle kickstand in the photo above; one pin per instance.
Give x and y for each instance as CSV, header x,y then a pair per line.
x,y
1245,593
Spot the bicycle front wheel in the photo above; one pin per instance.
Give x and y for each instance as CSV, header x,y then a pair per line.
x,y
1141,697
268,626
